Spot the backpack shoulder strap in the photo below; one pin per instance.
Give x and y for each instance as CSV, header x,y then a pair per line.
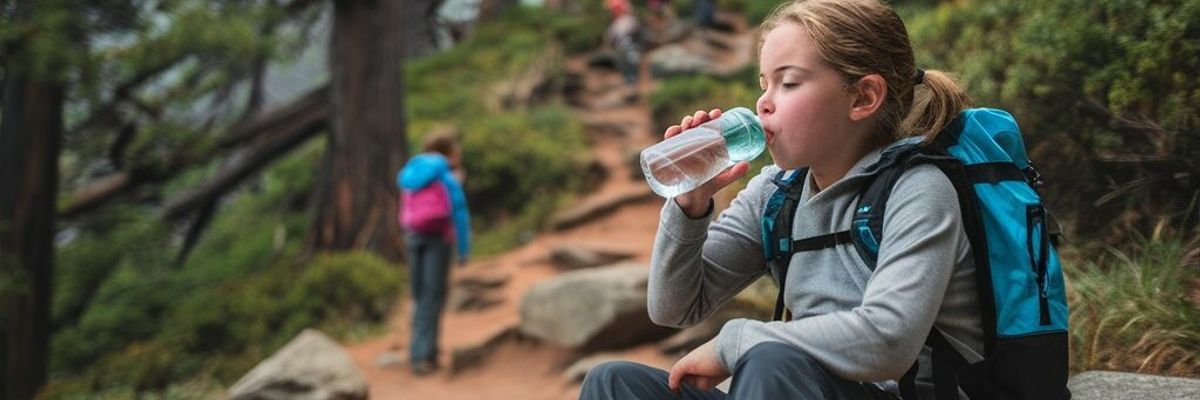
x,y
866,227
778,216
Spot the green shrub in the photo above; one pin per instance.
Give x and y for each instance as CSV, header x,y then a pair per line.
x,y
240,296
680,96
127,307
499,154
1138,310
498,90
1103,91
224,331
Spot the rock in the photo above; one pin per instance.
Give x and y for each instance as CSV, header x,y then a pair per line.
x,y
471,292
591,309
472,300
579,369
310,367
1106,385
576,256
484,281
599,207
466,357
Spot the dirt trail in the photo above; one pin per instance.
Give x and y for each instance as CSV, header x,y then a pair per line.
x,y
520,369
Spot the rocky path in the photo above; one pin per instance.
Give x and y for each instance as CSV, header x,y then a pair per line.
x,y
620,215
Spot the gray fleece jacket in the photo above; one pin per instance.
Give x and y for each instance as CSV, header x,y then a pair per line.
x,y
860,325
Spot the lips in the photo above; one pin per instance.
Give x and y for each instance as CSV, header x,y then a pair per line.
x,y
770,135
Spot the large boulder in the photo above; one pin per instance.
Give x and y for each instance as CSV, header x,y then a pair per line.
x,y
1107,385
591,309
310,367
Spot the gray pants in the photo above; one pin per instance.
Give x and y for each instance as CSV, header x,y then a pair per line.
x,y
767,371
428,265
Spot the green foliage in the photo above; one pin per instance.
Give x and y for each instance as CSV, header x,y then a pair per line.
x,y
42,39
1138,310
164,74
495,88
583,31
223,331
241,295
754,11
1104,91
111,290
503,181
682,95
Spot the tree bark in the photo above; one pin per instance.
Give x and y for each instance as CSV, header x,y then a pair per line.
x,y
421,35
356,198
30,137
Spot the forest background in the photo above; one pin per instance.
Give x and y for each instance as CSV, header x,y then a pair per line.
x,y
185,184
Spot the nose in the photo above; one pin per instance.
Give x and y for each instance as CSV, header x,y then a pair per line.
x,y
764,106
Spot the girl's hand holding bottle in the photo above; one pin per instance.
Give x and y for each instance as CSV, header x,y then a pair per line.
x,y
695,203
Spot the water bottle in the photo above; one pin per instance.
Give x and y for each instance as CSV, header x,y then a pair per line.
x,y
687,160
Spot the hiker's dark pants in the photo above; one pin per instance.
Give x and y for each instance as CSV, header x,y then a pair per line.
x,y
428,263
767,371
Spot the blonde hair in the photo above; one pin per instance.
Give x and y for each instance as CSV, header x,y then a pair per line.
x,y
864,37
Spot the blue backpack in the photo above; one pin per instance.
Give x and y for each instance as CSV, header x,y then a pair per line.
x,y
1020,282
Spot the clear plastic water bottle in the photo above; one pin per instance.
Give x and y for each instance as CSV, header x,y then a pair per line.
x,y
687,160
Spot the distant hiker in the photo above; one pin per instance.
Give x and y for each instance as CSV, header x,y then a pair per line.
x,y
622,36
433,212
894,217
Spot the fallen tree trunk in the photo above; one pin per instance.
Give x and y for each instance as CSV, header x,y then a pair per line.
x,y
282,124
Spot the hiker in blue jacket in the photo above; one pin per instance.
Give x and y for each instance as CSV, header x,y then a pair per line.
x,y
839,83
428,248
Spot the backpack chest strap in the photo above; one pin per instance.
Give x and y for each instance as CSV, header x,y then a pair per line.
x,y
822,242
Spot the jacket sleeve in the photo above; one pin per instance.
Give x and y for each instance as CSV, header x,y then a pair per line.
x,y
879,339
461,215
697,266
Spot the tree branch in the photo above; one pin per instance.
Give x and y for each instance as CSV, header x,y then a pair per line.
x,y
293,132
279,123
106,114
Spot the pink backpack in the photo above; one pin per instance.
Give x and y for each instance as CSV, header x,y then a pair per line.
x,y
426,210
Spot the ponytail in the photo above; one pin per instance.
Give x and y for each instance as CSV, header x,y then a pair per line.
x,y
937,100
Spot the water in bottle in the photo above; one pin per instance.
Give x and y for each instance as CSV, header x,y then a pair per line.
x,y
693,157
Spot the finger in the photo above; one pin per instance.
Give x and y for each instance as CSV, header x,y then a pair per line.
x,y
715,113
699,117
672,131
731,174
677,375
686,122
674,378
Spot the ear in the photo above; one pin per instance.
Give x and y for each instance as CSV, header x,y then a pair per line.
x,y
867,96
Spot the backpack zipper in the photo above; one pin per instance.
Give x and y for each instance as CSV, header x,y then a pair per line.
x,y
1035,222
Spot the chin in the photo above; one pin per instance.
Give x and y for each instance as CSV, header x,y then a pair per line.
x,y
777,160
787,164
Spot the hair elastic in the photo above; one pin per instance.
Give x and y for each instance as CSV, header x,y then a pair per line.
x,y
920,78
